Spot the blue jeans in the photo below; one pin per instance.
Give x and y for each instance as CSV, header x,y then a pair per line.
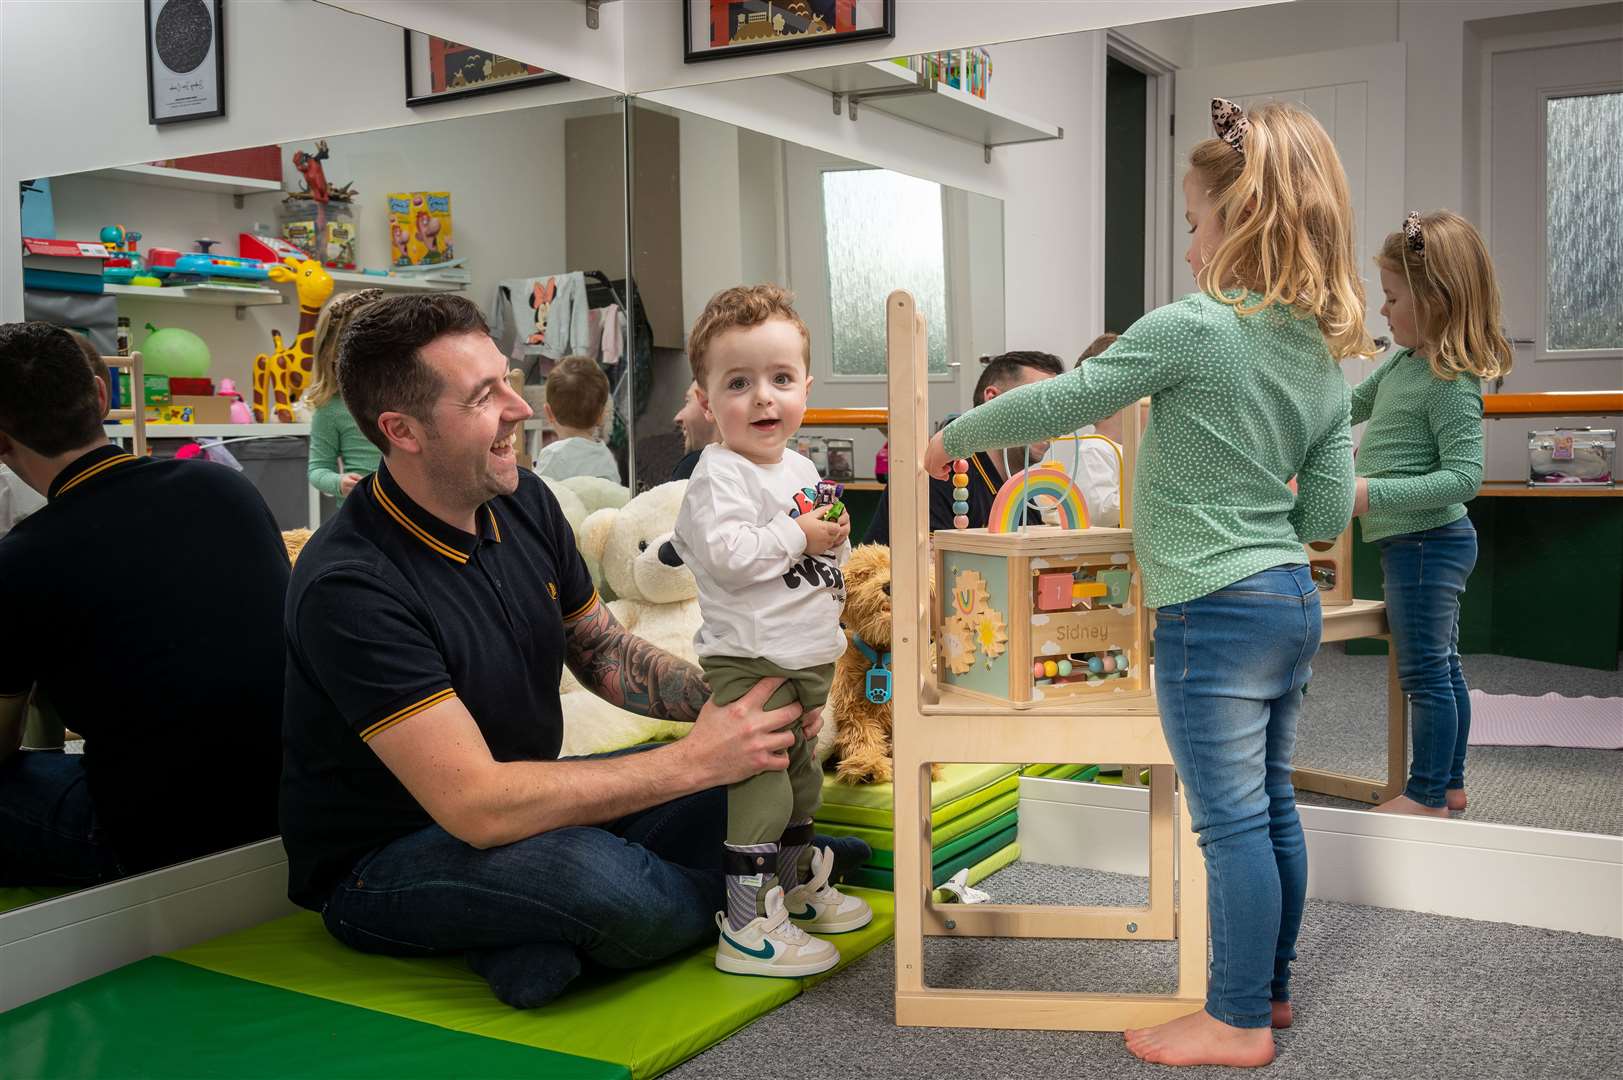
x,y
1229,672
526,915
1425,578
48,829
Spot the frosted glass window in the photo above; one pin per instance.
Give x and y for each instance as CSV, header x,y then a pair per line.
x,y
1584,222
884,233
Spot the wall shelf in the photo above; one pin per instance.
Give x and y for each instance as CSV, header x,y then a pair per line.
x,y
915,97
347,281
189,180
218,295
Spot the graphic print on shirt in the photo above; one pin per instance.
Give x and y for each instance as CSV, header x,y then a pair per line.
x,y
814,570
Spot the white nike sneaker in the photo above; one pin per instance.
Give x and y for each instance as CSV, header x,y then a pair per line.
x,y
772,945
819,908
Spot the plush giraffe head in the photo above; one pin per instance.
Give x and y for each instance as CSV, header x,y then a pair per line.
x,y
315,285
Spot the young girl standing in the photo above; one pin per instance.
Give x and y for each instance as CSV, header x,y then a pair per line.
x,y
334,439
1246,394
1420,460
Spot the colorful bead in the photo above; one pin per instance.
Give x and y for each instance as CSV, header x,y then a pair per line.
x,y
1064,667
1037,670
961,465
1050,669
1095,664
960,507
1109,664
959,480
960,522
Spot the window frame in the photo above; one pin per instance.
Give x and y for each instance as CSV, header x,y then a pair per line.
x,y
1541,340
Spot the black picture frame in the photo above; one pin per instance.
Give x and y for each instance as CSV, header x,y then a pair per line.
x,y
886,30
418,100
216,11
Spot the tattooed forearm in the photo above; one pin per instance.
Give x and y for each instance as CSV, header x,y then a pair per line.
x,y
626,671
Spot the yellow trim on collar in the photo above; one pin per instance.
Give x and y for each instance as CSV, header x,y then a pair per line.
x,y
94,470
411,526
407,713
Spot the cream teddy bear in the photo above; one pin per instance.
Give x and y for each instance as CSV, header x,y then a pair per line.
x,y
594,493
657,602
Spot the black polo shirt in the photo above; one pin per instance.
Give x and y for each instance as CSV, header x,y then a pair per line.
x,y
393,611
145,600
983,485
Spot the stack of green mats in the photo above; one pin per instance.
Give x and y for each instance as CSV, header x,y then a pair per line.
x,y
286,1000
974,822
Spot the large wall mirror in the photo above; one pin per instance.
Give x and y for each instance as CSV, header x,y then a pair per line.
x,y
715,205
519,207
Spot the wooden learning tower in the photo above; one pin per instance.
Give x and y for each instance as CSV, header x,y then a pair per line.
x,y
1059,594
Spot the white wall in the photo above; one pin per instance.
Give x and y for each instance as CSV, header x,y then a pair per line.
x,y
51,123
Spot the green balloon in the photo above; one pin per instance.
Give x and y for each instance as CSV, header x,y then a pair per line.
x,y
177,353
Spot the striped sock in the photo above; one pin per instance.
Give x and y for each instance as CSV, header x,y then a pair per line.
x,y
794,854
751,872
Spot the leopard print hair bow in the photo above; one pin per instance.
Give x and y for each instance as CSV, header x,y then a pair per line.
x,y
1412,234
1229,123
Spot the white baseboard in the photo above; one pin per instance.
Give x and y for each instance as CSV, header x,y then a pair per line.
x,y
1469,869
59,942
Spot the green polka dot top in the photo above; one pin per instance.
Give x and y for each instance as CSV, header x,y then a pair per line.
x,y
1240,405
1422,450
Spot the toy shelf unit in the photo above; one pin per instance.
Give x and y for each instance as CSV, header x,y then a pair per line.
x,y
1059,593
1044,615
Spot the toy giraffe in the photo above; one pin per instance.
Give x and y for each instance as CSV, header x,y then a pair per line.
x,y
281,376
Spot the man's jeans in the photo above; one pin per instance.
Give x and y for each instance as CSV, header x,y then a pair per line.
x,y
1229,672
621,895
48,829
1425,578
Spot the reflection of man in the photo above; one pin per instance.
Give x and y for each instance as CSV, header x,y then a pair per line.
x,y
424,808
988,469
182,716
697,431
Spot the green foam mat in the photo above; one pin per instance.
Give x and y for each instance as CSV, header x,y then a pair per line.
x,y
881,816
955,782
885,840
646,1021
162,1018
944,853
876,878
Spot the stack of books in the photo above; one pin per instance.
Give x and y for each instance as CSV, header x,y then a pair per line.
x,y
63,265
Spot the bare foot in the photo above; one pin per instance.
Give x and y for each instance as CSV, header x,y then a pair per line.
x,y
1201,1039
1405,805
1456,800
1282,1014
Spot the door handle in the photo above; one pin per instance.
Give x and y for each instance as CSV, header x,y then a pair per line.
x,y
1521,341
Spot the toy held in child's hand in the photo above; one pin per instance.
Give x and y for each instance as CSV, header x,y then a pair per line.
x,y
829,494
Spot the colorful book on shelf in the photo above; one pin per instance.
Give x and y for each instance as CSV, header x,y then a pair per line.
x,y
62,265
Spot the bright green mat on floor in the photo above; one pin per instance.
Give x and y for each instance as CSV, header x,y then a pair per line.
x,y
882,859
877,814
16,896
647,1021
955,781
162,1018
884,839
876,878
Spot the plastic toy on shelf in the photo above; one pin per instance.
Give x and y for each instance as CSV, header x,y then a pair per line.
x,y
282,375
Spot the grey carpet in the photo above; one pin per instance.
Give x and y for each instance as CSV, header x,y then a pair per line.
x,y
1343,729
1380,995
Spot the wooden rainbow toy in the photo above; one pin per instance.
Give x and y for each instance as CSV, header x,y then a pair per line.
x,y
1047,479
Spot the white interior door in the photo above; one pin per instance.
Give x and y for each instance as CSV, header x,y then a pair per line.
x,y
1555,228
1358,95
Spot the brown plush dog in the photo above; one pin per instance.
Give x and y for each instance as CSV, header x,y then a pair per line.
x,y
294,540
862,727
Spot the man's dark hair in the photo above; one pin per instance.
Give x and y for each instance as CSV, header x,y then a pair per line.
x,y
98,366
1004,368
380,364
48,397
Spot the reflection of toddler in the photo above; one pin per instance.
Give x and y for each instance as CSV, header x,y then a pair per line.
x,y
577,400
770,594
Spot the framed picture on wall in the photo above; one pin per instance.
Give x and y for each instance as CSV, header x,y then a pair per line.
x,y
441,70
185,60
712,29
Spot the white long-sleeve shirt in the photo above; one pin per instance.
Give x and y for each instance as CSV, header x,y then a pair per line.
x,y
1096,468
760,594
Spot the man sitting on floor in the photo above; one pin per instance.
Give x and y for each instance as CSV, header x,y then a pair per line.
x,y
424,808
182,724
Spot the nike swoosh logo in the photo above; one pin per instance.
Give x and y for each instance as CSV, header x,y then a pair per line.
x,y
765,952
804,916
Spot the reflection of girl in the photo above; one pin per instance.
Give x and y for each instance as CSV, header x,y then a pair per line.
x,y
335,441
1246,394
1420,460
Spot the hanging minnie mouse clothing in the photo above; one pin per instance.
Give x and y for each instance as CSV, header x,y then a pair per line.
x,y
549,311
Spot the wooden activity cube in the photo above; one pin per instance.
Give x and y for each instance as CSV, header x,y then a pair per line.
x,y
1042,615
1331,563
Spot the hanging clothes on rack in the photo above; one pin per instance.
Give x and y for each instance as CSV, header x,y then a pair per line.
x,y
541,316
632,380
